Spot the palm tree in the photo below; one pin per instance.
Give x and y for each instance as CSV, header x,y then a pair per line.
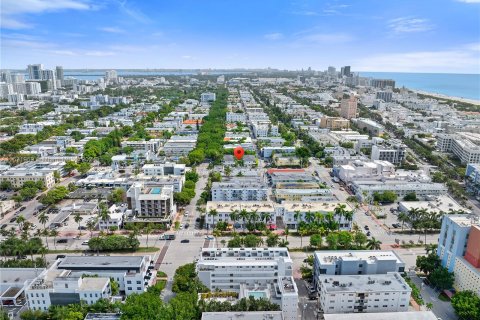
x,y
227,170
54,234
265,216
217,233
297,216
286,232
374,244
213,213
431,247
78,218
103,213
309,216
302,232
46,233
20,221
43,219
244,214
148,229
403,218
429,306
223,242
234,216
91,224
283,243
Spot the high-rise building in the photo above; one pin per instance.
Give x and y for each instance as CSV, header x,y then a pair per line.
x,y
111,75
346,71
59,72
49,75
467,268
382,83
332,71
35,71
348,107
452,242
5,77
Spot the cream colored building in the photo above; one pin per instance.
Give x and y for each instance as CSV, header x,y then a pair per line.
x,y
333,123
17,179
467,277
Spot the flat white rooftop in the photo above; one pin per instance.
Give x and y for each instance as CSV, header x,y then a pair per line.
x,y
389,282
370,256
407,315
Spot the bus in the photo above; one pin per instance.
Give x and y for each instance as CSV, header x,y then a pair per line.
x,y
167,236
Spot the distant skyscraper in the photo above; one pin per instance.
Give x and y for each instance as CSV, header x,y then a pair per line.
x,y
332,71
50,76
17,78
35,71
346,71
5,77
111,75
348,107
382,83
59,72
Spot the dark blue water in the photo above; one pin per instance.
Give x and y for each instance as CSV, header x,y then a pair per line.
x,y
451,84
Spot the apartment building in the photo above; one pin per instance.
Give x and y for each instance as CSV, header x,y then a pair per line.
x,y
402,315
265,209
334,123
162,169
132,273
365,189
294,212
267,152
227,268
465,145
359,170
240,190
116,214
151,201
301,191
63,287
178,146
33,128
452,242
152,145
18,177
236,117
370,126
467,268
394,153
252,272
207,97
346,262
364,293
472,179
348,107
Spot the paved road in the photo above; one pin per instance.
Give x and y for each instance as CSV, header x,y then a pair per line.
x,y
441,309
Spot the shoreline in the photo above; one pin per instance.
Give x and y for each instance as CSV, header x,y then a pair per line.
x,y
446,97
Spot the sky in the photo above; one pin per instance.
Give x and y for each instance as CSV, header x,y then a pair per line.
x,y
369,35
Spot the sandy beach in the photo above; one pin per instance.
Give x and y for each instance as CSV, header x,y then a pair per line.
x,y
443,96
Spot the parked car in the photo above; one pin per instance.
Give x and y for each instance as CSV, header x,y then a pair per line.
x,y
22,208
85,243
185,241
366,227
368,233
82,228
13,219
61,256
187,225
62,240
209,238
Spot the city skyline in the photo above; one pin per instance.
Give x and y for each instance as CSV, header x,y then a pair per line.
x,y
431,36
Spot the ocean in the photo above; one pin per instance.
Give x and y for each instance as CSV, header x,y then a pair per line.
x,y
451,84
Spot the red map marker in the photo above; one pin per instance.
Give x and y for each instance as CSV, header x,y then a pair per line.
x,y
238,152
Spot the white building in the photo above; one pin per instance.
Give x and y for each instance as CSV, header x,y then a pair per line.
x,y
239,190
405,315
116,215
162,169
364,293
465,145
294,212
236,117
132,273
151,201
256,272
225,208
267,152
208,97
346,262
394,154
61,287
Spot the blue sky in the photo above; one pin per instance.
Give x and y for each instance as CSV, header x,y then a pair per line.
x,y
369,35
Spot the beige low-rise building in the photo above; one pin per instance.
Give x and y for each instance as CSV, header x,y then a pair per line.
x,y
18,178
6,206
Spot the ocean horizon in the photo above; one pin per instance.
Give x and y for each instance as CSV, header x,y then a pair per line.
x,y
458,85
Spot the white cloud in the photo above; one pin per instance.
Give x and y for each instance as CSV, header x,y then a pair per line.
x,y
63,52
134,13
12,10
409,24
274,36
99,53
458,60
112,30
469,1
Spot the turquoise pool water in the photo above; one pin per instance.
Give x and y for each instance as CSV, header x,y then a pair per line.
x,y
156,190
257,294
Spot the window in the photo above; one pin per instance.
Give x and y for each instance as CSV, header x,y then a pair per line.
x,y
129,282
139,282
129,288
139,288
66,285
